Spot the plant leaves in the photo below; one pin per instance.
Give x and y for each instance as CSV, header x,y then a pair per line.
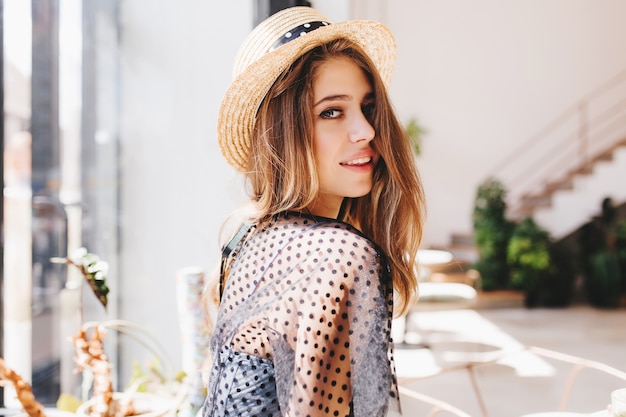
x,y
94,271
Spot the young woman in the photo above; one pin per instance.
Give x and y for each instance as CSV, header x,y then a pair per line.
x,y
309,283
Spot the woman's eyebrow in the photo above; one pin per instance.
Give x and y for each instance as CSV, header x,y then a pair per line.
x,y
336,97
343,97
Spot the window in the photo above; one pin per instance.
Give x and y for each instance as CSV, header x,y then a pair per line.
x,y
60,170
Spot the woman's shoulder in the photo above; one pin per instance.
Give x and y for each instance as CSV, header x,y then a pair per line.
x,y
329,231
327,247
316,235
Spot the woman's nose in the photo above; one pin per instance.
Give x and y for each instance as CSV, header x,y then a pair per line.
x,y
361,129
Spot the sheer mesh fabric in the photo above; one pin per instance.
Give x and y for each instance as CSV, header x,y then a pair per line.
x,y
304,325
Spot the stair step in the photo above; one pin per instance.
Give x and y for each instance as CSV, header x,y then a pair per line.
x,y
606,156
537,200
585,169
466,254
562,185
463,247
462,239
521,212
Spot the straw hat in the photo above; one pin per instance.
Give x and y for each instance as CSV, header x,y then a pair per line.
x,y
269,50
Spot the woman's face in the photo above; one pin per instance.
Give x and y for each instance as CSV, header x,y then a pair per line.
x,y
343,101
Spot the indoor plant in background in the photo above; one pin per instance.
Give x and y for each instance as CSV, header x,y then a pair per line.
x,y
94,272
528,256
100,398
544,269
619,244
415,132
559,286
23,390
600,257
157,395
492,231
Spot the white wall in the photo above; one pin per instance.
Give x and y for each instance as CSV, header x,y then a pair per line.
x,y
480,76
486,75
176,62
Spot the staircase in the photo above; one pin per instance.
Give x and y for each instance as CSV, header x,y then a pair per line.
x,y
568,210
531,202
560,175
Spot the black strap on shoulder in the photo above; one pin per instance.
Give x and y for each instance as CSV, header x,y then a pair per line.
x,y
228,249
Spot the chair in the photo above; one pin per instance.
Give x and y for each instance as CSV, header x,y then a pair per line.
x,y
445,284
435,406
574,363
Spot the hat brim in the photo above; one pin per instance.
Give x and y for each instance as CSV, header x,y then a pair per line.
x,y
241,101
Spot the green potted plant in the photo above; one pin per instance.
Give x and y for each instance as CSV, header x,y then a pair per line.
x,y
620,248
542,268
528,256
415,132
559,284
600,258
492,231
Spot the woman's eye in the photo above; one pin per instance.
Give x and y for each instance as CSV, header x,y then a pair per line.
x,y
330,113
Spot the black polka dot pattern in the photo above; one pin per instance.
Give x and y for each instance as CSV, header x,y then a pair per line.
x,y
304,325
297,32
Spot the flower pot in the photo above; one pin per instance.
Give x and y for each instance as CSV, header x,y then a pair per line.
x,y
144,404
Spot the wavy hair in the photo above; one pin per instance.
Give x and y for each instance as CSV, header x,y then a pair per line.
x,y
282,175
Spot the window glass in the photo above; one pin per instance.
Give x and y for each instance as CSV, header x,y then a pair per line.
x,y
60,170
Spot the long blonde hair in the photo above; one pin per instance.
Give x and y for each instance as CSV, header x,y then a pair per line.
x,y
282,175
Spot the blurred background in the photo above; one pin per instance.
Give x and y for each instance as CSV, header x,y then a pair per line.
x,y
110,111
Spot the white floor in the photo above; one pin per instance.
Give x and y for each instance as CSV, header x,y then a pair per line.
x,y
523,382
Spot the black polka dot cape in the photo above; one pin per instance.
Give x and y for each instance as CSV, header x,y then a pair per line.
x,y
304,325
